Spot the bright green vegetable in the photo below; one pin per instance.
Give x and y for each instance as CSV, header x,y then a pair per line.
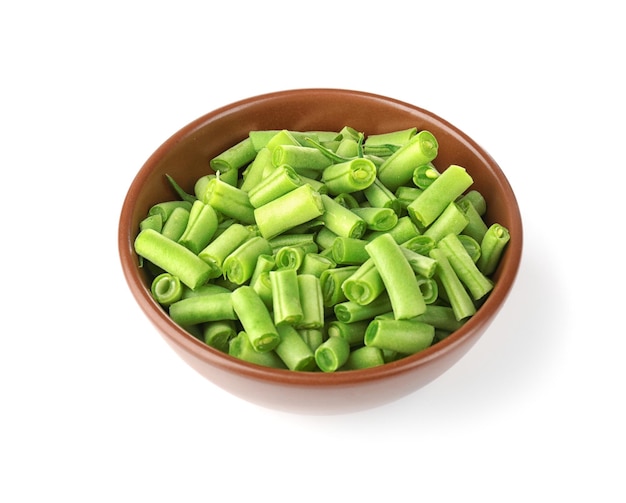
x,y
398,276
315,251
172,257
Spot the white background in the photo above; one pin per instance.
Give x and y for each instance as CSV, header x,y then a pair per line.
x,y
95,406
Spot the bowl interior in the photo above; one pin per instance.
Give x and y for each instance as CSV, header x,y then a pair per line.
x,y
185,156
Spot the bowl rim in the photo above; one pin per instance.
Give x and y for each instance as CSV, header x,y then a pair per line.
x,y
177,336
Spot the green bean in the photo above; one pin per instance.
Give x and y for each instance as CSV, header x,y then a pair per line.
x,y
166,289
235,157
349,251
219,333
404,230
425,175
255,172
311,302
255,318
314,263
203,308
282,180
477,200
349,176
240,347
172,257
223,245
398,276
455,292
154,222
331,280
175,225
200,228
239,265
229,200
363,285
301,159
293,350
377,219
402,336
285,296
353,332
363,358
289,210
449,185
398,168
440,317
451,221
312,336
341,220
332,354
476,282
165,208
380,196
422,265
349,311
492,247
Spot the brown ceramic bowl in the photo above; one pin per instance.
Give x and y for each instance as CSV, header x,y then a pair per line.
x,y
185,156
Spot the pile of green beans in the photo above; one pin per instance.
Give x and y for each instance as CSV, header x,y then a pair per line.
x,y
323,251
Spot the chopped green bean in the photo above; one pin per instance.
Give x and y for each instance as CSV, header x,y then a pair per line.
x,y
235,157
364,284
332,354
492,247
166,289
403,336
255,318
201,227
398,276
239,265
203,308
285,296
172,257
341,220
349,176
240,347
293,350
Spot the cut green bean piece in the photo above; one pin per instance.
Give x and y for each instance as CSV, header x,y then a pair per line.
x,y
223,245
316,264
289,210
350,176
452,182
476,226
331,281
332,354
154,222
476,282
398,168
282,180
203,308
235,157
477,200
455,292
349,251
398,277
239,265
380,196
175,225
293,350
451,221
425,175
423,265
255,318
404,230
403,336
352,332
429,289
472,247
377,219
261,139
492,248
240,347
172,257
166,289
255,172
364,285
397,138
440,317
201,227
311,302
285,296
229,200
341,220
363,358
218,334
206,289
166,208
349,311
420,244
312,336
300,158
291,257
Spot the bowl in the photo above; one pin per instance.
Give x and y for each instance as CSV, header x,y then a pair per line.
x,y
185,156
